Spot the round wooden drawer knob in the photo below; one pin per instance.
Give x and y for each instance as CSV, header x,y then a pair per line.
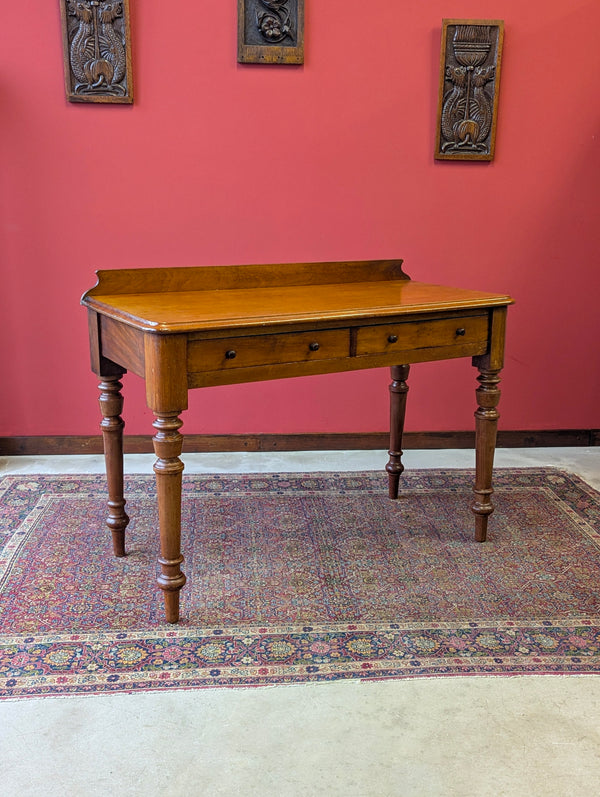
x,y
392,338
231,354
314,346
460,331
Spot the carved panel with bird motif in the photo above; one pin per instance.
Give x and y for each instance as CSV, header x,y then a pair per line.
x,y
97,50
469,81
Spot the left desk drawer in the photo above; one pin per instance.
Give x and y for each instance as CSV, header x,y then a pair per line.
x,y
255,350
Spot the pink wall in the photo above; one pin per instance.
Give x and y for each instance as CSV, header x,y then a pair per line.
x,y
222,163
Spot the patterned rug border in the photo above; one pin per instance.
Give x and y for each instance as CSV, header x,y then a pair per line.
x,y
190,657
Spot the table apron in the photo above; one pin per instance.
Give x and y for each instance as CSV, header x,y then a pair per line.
x,y
350,363
256,357
250,357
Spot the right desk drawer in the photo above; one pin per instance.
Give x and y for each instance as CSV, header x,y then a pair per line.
x,y
385,338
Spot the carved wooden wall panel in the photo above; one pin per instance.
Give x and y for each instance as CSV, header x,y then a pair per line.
x,y
469,82
97,50
271,31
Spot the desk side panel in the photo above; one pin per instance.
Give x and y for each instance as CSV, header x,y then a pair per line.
x,y
122,344
493,359
101,364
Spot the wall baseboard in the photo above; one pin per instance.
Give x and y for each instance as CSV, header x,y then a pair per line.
x,y
141,444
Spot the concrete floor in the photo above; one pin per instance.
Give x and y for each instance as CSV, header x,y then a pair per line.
x,y
468,736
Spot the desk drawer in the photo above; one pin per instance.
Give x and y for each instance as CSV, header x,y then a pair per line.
x,y
387,338
247,352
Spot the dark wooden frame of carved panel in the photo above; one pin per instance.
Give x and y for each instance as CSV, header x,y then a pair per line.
x,y
469,83
97,50
271,31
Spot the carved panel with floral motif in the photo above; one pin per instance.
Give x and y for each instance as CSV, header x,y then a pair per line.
x,y
97,50
271,31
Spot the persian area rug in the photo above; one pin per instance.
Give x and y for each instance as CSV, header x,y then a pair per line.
x,y
295,578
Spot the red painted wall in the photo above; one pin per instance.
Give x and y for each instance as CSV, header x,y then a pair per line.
x,y
222,163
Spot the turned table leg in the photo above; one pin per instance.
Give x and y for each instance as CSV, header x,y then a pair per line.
x,y
486,424
111,406
168,468
398,391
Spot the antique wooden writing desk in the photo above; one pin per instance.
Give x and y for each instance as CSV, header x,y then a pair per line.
x,y
183,328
